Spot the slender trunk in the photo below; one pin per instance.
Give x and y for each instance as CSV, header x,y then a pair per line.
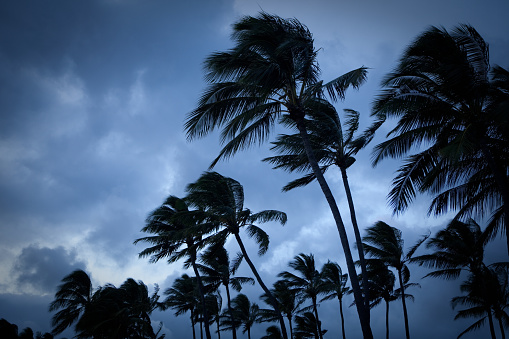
x,y
202,297
405,314
192,324
342,318
386,319
249,333
501,327
502,183
492,327
201,329
318,325
290,324
272,300
358,239
230,310
359,300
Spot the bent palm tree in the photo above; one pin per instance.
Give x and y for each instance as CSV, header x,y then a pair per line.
x,y
246,313
443,97
222,199
308,283
385,243
177,234
269,76
71,299
334,285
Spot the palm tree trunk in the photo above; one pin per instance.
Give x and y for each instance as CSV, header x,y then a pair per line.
x,y
234,331
272,300
386,319
501,327
358,239
192,324
290,324
202,297
342,318
359,300
490,321
318,324
405,314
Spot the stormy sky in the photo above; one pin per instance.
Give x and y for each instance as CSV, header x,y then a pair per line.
x,y
93,95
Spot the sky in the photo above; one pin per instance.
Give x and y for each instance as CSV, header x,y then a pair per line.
x,y
93,95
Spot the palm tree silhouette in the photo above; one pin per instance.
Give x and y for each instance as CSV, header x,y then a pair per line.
x,y
271,75
222,199
246,313
308,283
73,296
307,326
288,300
217,270
334,286
183,297
487,297
177,234
385,243
333,144
446,101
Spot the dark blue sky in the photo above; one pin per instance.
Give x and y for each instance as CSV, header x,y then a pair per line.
x,y
93,95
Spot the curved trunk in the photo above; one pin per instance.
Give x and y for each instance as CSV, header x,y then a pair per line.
x,y
272,300
358,240
342,318
405,314
318,324
202,298
230,310
359,300
386,319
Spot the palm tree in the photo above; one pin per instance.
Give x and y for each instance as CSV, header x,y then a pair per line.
x,y
217,270
271,75
182,297
288,300
177,234
73,296
307,326
308,283
272,332
487,297
385,243
334,285
246,313
445,101
333,144
222,199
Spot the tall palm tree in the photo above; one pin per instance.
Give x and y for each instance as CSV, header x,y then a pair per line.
x,y
222,199
386,243
217,270
73,296
333,143
271,75
177,233
288,300
334,285
182,297
446,101
308,283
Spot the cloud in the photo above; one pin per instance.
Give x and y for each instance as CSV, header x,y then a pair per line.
x,y
39,270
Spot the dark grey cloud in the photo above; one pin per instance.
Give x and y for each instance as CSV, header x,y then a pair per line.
x,y
40,270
